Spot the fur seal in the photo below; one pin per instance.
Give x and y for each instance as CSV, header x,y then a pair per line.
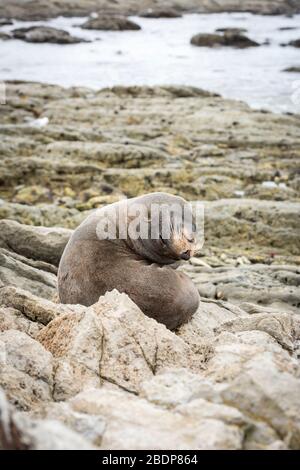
x,y
142,267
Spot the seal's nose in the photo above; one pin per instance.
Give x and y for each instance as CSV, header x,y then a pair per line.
x,y
185,255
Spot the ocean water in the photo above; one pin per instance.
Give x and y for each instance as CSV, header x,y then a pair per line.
x,y
161,53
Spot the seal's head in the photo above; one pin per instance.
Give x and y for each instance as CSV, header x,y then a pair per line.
x,y
181,245
169,233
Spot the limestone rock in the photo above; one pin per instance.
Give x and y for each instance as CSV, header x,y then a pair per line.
x,y
10,435
44,213
148,140
13,319
227,379
52,435
271,394
295,43
40,10
18,432
141,391
263,380
160,13
32,307
17,271
253,434
32,195
247,220
229,38
107,154
235,350
45,34
110,23
172,388
4,36
211,314
90,426
263,437
26,369
134,423
294,69
231,30
260,283
285,328
4,22
110,342
34,242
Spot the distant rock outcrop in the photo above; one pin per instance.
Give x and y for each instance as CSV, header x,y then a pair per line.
x,y
292,69
4,36
39,9
111,23
5,22
229,38
160,13
42,34
295,43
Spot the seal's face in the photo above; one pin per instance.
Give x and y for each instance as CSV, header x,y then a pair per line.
x,y
177,237
181,245
166,229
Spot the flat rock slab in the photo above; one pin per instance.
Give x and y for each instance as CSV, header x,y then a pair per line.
x,y
126,141
100,336
110,23
295,43
292,69
40,10
41,243
94,378
259,283
42,34
160,13
228,39
4,36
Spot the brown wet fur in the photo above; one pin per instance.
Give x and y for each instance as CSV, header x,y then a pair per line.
x,y
90,267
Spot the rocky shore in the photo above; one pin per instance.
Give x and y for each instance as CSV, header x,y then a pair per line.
x,y
78,378
41,9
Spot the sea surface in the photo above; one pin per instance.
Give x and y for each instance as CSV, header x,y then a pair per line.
x,y
161,53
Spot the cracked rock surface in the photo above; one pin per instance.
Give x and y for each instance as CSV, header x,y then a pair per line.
x,y
107,376
39,9
94,376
